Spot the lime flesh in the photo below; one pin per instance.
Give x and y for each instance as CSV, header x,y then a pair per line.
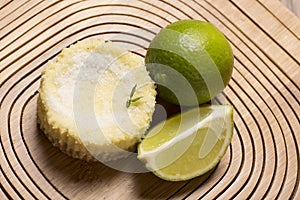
x,y
188,144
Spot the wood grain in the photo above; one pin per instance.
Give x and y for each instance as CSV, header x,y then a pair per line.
x,y
293,5
263,160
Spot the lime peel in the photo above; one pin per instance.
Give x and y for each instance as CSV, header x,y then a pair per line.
x,y
199,52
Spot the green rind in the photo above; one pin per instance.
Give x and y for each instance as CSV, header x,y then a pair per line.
x,y
207,67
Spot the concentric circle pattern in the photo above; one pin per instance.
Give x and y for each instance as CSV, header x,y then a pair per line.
x,y
263,160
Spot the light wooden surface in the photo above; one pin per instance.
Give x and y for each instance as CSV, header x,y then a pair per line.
x,y
263,159
293,5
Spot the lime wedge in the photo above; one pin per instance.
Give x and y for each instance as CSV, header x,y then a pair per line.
x,y
189,144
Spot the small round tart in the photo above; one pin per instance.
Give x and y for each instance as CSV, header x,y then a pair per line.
x,y
96,101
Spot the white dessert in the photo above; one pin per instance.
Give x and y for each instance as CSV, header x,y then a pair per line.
x,y
83,101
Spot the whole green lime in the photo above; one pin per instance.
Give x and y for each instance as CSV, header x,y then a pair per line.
x,y
191,61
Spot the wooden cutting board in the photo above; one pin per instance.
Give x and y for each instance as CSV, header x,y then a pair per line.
x,y
263,160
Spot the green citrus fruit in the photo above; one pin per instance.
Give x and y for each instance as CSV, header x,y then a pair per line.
x,y
189,144
191,61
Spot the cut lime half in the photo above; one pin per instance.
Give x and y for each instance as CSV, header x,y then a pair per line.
x,y
188,144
